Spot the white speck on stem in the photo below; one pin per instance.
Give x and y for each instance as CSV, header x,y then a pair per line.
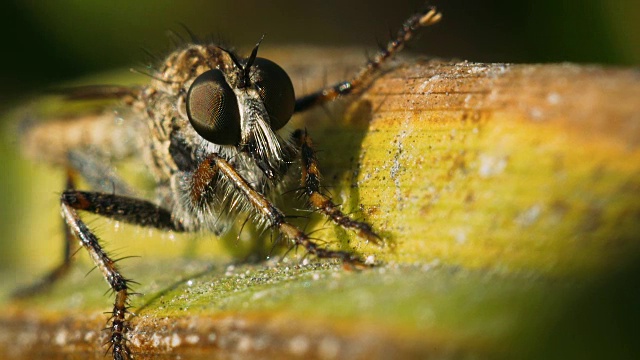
x,y
175,340
299,345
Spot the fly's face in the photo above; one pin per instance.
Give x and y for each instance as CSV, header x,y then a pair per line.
x,y
243,104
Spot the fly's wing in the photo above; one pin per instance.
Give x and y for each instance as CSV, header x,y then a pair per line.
x,y
97,92
96,119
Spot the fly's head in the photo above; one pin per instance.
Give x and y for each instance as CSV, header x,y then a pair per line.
x,y
243,103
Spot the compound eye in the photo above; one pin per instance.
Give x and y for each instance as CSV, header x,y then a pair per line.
x,y
276,91
213,109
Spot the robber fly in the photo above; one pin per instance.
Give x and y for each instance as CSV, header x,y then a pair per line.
x,y
211,127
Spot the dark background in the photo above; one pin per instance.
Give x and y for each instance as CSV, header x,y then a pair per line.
x,y
46,42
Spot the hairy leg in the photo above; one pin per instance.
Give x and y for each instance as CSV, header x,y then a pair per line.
x,y
310,182
421,19
131,210
215,165
99,177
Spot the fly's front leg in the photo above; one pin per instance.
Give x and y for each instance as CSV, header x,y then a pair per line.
x,y
131,210
100,177
421,19
322,203
214,165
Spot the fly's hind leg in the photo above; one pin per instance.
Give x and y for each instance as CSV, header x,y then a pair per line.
x,y
310,171
424,18
310,182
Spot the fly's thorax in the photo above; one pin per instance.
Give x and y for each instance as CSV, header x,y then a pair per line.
x,y
182,66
